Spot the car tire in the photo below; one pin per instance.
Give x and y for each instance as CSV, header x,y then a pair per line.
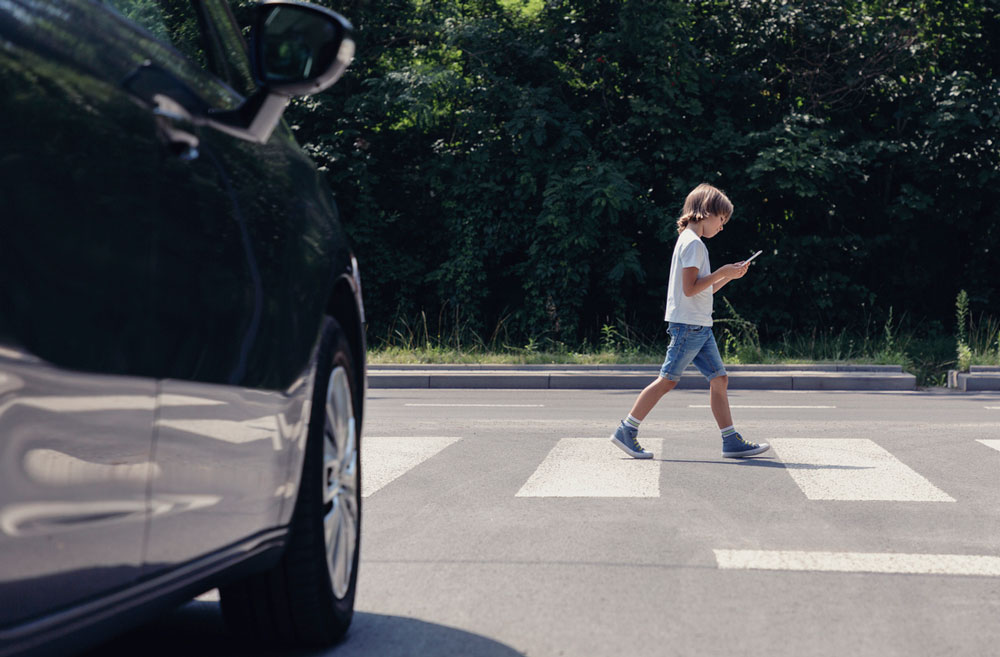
x,y
307,599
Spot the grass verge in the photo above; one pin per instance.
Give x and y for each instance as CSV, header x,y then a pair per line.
x,y
927,354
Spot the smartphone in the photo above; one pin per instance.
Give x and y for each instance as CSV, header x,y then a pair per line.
x,y
747,261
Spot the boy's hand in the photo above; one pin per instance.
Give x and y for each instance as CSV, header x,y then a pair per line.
x,y
735,270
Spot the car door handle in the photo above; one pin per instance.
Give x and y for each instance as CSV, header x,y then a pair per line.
x,y
181,144
172,103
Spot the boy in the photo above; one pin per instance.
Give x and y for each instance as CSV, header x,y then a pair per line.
x,y
689,313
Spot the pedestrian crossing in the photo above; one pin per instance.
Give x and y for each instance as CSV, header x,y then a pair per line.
x,y
584,467
820,470
823,469
852,469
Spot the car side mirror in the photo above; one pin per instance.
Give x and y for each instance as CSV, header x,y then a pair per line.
x,y
300,49
297,49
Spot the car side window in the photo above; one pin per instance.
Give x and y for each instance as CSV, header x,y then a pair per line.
x,y
202,30
172,21
233,62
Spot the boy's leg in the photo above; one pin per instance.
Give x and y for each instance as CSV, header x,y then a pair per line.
x,y
678,357
709,362
683,349
624,436
734,445
650,395
719,400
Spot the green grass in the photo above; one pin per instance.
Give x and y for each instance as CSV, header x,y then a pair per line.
x,y
983,346
444,355
978,340
928,359
927,354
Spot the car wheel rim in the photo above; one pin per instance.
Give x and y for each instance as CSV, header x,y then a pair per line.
x,y
340,482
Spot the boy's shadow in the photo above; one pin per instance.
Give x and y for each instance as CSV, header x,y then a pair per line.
x,y
771,463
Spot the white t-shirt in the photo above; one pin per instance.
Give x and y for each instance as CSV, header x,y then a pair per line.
x,y
689,251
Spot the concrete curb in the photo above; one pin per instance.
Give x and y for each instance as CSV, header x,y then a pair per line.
x,y
633,377
979,378
650,367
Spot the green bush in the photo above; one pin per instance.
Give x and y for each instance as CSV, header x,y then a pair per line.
x,y
525,161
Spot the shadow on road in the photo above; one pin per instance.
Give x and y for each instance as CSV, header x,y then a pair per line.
x,y
768,462
197,630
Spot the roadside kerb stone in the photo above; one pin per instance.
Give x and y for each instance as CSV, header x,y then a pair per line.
x,y
979,378
692,380
486,380
636,377
648,367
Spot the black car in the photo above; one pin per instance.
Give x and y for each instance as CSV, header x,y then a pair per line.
x,y
182,357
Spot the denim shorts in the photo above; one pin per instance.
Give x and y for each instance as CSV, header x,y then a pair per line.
x,y
691,344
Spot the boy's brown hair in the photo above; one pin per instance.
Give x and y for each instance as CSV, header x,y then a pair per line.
x,y
701,202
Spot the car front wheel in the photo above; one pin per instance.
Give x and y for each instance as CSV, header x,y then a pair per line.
x,y
307,599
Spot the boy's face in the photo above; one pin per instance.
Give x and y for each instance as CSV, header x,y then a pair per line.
x,y
713,225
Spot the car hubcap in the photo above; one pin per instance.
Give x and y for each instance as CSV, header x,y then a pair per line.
x,y
340,482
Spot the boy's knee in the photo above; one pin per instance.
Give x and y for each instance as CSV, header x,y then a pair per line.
x,y
720,382
665,385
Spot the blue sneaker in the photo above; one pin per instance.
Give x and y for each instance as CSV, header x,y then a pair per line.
x,y
736,447
624,439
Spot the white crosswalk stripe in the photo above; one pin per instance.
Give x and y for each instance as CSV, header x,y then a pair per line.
x,y
995,444
860,562
384,458
852,469
591,467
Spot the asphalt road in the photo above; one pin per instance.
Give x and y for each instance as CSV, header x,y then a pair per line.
x,y
499,523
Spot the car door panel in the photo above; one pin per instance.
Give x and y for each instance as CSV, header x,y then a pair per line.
x,y
75,464
77,261
222,451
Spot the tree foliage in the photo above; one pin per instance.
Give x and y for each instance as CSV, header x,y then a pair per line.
x,y
524,163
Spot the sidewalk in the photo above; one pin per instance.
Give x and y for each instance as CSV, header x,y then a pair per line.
x,y
637,377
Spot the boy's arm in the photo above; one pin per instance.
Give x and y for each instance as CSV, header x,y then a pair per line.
x,y
716,280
